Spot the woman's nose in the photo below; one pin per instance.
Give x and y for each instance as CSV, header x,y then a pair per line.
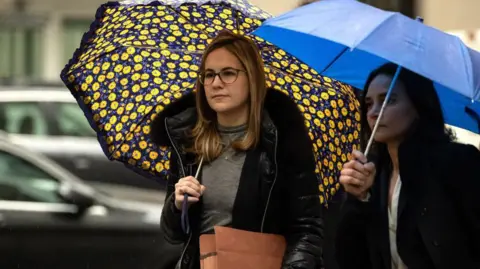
x,y
373,112
217,82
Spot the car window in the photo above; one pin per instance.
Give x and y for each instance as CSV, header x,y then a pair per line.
x,y
23,118
72,122
28,181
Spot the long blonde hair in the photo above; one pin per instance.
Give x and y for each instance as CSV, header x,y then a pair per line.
x,y
207,141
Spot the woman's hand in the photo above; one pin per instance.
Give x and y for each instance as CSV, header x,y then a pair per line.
x,y
190,186
357,175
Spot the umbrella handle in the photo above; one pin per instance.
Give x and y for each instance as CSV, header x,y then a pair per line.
x,y
184,221
184,218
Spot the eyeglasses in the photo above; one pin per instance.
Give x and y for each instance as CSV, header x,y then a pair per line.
x,y
227,76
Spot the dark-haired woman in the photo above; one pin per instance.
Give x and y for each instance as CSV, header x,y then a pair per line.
x,y
412,203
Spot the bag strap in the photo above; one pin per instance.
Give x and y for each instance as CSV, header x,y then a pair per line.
x,y
185,222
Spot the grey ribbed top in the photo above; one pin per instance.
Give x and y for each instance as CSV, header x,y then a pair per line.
x,y
221,178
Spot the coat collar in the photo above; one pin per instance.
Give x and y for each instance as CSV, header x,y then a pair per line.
x,y
284,133
281,114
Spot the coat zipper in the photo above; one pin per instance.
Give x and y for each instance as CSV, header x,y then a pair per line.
x,y
274,181
182,171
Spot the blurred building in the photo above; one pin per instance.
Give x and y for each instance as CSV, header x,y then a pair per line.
x,y
450,15
469,37
442,14
37,37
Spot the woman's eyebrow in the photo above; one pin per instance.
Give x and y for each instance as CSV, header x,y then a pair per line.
x,y
224,68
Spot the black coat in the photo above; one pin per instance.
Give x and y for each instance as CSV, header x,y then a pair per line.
x,y
277,183
438,213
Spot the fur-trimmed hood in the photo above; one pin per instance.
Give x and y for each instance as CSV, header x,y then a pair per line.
x,y
282,116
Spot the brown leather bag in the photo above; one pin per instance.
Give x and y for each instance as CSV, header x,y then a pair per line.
x,y
230,248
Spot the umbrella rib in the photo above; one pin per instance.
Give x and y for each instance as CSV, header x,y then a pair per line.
x,y
199,52
194,26
70,71
169,49
360,40
312,83
468,68
303,79
334,60
237,18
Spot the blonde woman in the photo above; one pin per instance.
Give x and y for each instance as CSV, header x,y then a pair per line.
x,y
258,173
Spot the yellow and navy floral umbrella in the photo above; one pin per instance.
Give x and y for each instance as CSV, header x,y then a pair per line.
x,y
138,58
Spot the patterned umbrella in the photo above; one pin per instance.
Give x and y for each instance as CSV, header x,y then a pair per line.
x,y
137,59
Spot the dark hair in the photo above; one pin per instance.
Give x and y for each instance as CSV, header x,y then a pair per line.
x,y
421,92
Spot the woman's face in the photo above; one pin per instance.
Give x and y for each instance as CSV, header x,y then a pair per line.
x,y
230,95
399,113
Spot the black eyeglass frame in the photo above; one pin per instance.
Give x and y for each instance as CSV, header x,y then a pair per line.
x,y
202,75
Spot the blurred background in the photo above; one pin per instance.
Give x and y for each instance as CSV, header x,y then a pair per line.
x,y
58,192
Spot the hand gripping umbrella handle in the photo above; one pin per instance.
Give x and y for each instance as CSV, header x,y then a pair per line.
x,y
184,218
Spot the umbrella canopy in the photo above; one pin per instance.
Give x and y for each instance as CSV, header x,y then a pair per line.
x,y
137,59
346,40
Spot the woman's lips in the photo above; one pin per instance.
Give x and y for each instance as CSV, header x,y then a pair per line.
x,y
219,96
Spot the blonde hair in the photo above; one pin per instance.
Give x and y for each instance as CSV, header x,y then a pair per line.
x,y
207,141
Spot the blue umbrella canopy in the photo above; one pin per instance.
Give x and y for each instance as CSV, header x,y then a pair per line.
x,y
346,40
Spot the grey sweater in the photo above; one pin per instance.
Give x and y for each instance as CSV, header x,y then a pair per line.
x,y
221,178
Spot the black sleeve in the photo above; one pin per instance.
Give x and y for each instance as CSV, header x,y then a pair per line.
x,y
304,233
464,184
304,229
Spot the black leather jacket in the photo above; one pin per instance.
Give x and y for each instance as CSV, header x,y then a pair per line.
x,y
278,191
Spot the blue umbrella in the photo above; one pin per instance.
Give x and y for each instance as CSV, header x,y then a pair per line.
x,y
346,40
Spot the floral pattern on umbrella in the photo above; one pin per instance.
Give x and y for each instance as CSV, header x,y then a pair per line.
x,y
137,59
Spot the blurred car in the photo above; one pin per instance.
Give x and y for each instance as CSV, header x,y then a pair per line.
x,y
51,219
48,120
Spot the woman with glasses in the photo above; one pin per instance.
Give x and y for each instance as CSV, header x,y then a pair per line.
x,y
259,170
